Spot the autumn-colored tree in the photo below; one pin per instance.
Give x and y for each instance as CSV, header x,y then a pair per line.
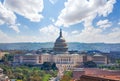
x,y
65,78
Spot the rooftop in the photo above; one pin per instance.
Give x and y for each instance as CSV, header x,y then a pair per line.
x,y
112,77
97,54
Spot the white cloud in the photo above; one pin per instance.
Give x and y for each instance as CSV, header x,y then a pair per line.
x,y
52,19
4,37
88,35
8,17
26,38
74,12
49,29
15,28
53,1
114,37
30,9
1,22
115,29
75,32
92,35
118,23
50,33
104,24
77,10
107,8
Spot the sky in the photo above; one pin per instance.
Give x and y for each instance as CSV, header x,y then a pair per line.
x,y
84,21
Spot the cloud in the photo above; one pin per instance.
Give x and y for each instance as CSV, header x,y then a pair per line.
x,y
86,11
29,9
118,23
104,24
26,38
92,35
47,34
52,19
4,37
50,33
115,29
53,1
76,11
75,32
87,35
8,17
15,28
114,37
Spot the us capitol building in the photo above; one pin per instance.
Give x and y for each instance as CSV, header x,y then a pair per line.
x,y
63,59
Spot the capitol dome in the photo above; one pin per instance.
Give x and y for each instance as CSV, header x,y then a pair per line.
x,y
60,46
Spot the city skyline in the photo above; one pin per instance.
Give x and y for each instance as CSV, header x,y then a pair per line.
x,y
87,21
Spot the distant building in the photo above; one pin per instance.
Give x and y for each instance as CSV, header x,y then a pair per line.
x,y
98,78
78,72
27,59
63,59
113,55
98,58
45,57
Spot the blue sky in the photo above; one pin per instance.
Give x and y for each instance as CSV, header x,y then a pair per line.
x,y
86,21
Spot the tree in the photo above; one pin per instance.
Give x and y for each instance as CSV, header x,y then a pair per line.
x,y
25,73
34,78
53,66
68,73
48,66
89,64
65,78
7,58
